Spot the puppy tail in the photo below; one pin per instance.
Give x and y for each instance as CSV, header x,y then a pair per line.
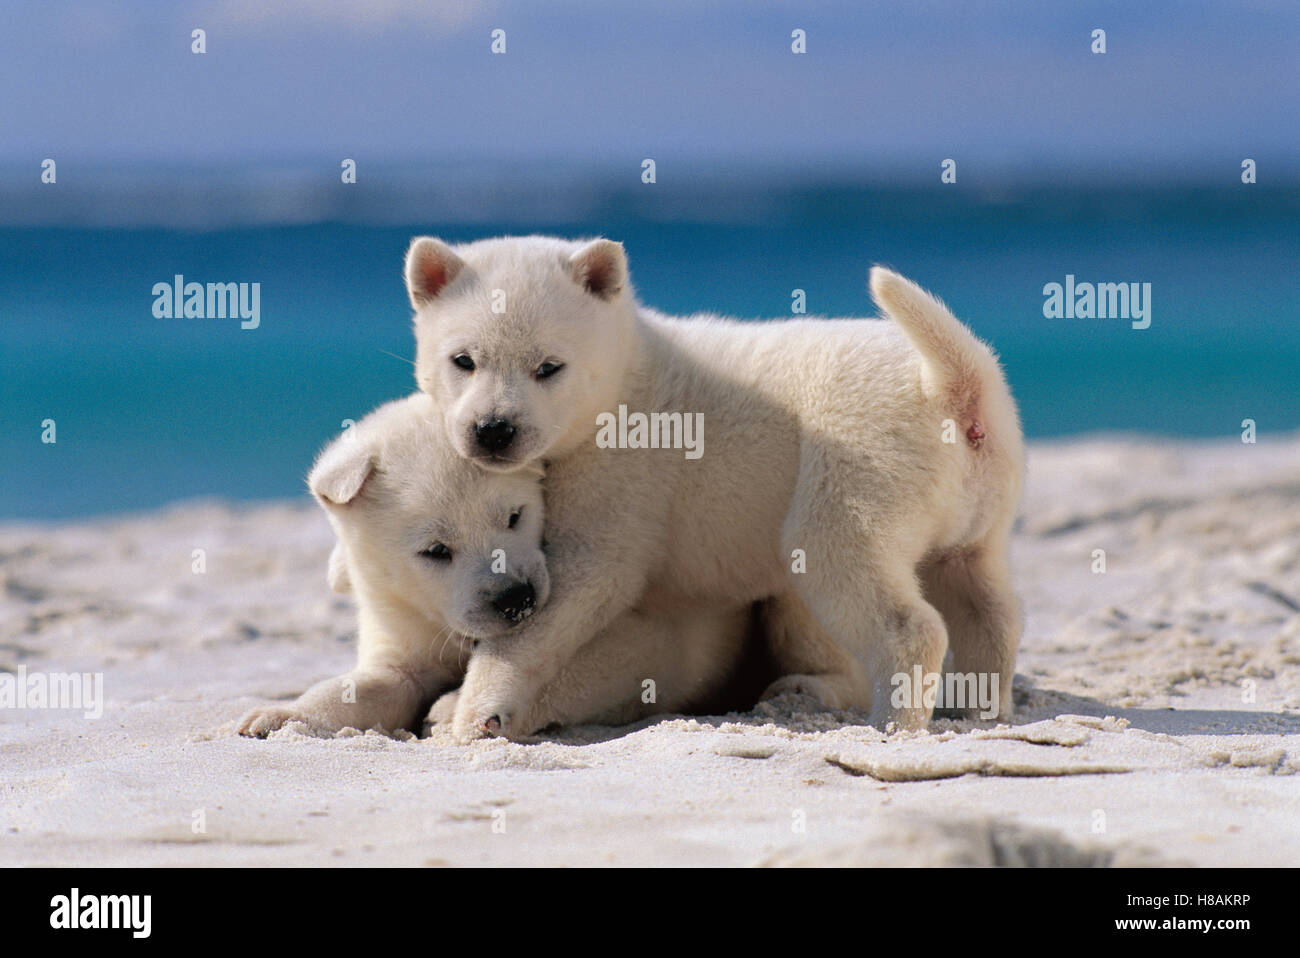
x,y
957,369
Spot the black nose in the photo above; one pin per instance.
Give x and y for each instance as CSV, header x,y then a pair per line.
x,y
515,602
494,434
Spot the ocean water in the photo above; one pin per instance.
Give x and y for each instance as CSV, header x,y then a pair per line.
x,y
150,410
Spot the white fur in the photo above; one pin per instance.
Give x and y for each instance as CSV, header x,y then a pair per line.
x,y
392,487
821,435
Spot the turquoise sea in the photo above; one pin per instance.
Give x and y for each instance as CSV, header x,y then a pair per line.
x,y
149,410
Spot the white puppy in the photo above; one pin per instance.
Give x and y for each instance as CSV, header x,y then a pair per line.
x,y
437,550
864,473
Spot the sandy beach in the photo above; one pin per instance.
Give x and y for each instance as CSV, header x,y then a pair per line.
x,y
1158,706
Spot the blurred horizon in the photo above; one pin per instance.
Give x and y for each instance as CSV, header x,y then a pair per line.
x,y
206,197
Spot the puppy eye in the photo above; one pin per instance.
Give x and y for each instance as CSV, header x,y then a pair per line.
x,y
548,369
514,517
463,361
437,553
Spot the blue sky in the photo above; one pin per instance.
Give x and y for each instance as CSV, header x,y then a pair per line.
x,y
1184,87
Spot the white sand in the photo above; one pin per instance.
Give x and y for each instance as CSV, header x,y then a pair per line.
x,y
1201,591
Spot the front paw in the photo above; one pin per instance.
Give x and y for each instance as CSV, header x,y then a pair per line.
x,y
443,711
261,722
470,723
495,700
479,712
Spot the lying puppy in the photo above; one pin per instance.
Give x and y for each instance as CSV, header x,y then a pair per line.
x,y
864,473
438,553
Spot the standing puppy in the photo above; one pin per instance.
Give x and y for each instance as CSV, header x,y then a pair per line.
x,y
865,474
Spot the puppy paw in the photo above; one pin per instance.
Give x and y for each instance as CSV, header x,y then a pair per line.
x,y
443,711
811,686
470,725
261,722
894,719
477,715
976,714
495,701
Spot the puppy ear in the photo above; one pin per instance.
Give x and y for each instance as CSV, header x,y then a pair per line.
x,y
600,268
341,471
430,265
338,571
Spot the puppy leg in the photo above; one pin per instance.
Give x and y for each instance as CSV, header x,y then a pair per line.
x,y
860,523
972,591
377,698
809,660
642,664
870,605
401,666
897,635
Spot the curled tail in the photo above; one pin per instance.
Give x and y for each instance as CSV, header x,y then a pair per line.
x,y
957,369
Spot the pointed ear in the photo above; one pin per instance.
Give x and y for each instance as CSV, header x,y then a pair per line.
x,y
600,268
338,571
341,471
430,265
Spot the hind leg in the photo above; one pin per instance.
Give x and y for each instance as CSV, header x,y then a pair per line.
x,y
972,590
863,522
906,639
872,607
810,662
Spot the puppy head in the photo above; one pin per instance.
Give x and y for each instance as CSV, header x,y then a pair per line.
x,y
521,342
422,528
